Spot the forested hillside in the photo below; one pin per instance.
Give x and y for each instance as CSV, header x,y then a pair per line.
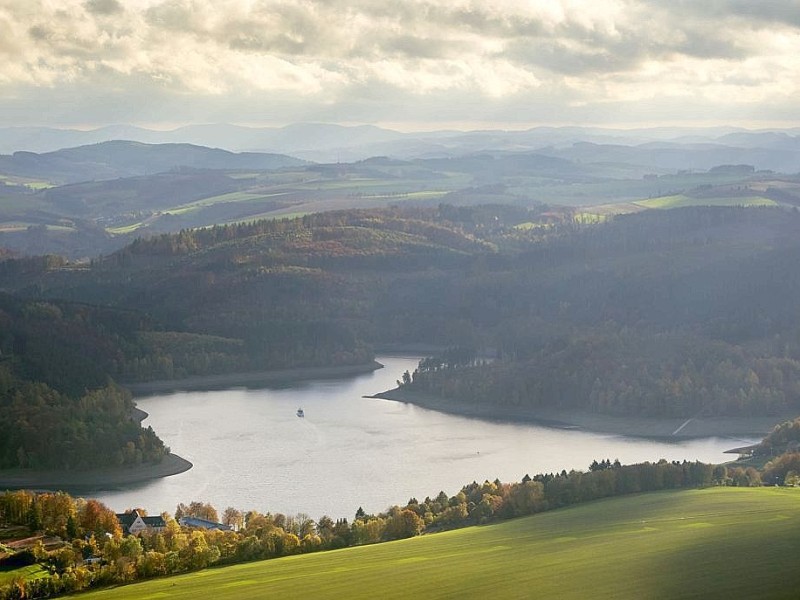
x,y
676,313
274,294
684,313
59,408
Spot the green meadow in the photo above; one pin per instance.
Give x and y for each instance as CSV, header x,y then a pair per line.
x,y
681,201
713,543
224,198
30,572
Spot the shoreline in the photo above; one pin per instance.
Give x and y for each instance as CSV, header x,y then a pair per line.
x,y
675,429
92,479
249,378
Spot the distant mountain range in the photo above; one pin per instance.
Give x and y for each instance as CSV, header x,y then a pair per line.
x,y
659,148
673,156
291,139
115,159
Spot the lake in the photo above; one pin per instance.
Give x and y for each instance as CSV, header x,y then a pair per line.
x,y
251,451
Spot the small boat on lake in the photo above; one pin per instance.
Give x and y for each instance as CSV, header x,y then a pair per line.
x,y
300,412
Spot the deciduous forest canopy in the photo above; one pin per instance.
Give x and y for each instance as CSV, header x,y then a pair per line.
x,y
673,313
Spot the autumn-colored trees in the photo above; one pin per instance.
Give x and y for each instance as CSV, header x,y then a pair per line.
x,y
778,470
96,518
197,509
58,513
266,535
784,437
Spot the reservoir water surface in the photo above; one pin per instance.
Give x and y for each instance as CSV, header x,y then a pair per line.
x,y
251,451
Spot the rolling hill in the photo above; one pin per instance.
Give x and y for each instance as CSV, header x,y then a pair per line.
x,y
114,159
712,543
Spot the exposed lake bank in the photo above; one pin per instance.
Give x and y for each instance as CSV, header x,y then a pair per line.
x,y
92,479
248,379
644,427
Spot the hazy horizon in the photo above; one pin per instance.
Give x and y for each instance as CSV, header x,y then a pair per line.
x,y
422,128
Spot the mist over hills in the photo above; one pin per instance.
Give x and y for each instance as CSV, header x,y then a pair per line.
x,y
115,159
672,155
235,138
680,148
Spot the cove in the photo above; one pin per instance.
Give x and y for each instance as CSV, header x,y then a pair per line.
x,y
250,450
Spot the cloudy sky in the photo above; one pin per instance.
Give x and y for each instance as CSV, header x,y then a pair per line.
x,y
410,64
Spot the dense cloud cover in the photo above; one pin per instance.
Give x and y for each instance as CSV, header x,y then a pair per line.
x,y
97,61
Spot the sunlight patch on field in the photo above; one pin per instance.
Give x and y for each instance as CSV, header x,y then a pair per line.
x,y
407,195
31,572
681,201
236,175
39,185
601,212
590,218
11,226
222,198
31,184
125,229
529,225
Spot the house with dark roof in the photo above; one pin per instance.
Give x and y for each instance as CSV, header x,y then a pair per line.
x,y
203,524
133,523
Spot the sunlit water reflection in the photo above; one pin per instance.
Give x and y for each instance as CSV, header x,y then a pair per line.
x,y
251,451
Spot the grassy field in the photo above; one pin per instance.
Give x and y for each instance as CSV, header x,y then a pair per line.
x,y
223,198
124,230
681,200
714,543
31,572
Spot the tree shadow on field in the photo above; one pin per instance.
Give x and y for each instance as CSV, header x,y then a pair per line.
x,y
757,559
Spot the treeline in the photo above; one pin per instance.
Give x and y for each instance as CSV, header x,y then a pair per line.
x,y
58,514
446,226
783,445
41,428
785,437
59,407
622,371
96,554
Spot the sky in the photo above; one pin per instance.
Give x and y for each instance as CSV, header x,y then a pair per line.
x,y
413,64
